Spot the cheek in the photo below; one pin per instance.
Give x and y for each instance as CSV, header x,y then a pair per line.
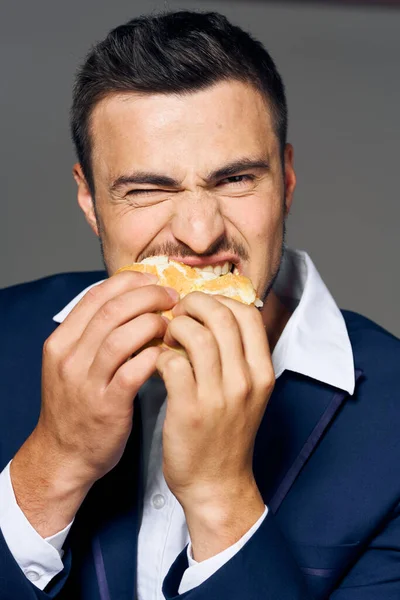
x,y
132,229
259,220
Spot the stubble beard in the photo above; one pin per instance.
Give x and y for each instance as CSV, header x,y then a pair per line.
x,y
276,269
268,287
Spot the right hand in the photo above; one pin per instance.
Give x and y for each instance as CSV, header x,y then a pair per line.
x,y
89,383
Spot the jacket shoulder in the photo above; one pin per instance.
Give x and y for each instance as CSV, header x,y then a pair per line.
x,y
357,323
376,352
368,338
44,296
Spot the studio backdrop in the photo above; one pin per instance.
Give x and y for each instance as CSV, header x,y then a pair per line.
x,y
340,64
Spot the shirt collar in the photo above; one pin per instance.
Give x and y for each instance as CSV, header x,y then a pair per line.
x,y
315,341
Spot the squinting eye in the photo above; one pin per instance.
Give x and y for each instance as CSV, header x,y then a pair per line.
x,y
136,192
238,179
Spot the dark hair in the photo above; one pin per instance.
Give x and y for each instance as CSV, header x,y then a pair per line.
x,y
173,52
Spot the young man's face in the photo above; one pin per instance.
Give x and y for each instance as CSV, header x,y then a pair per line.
x,y
186,138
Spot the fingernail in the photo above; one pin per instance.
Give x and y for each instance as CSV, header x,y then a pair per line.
x,y
173,293
152,278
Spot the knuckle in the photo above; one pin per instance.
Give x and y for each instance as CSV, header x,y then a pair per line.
x,y
267,381
174,362
202,337
50,347
111,344
110,309
196,420
94,294
242,386
66,366
125,380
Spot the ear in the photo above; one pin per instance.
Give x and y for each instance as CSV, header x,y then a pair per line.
x,y
290,177
85,199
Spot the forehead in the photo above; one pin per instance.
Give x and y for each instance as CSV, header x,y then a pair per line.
x,y
170,129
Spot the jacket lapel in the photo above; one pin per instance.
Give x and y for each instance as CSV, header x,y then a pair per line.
x,y
297,416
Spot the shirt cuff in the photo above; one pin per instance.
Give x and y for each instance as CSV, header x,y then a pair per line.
x,y
39,558
198,572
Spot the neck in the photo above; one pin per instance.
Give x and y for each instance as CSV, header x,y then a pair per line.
x,y
275,317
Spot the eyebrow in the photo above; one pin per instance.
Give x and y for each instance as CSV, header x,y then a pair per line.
x,y
161,180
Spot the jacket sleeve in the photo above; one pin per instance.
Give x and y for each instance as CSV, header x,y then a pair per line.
x,y
266,568
200,571
263,568
376,574
15,585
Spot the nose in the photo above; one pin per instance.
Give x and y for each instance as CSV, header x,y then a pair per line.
x,y
198,222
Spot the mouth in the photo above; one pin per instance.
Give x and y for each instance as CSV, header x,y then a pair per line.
x,y
211,266
217,267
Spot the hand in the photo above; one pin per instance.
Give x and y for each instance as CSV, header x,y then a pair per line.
x,y
88,388
216,401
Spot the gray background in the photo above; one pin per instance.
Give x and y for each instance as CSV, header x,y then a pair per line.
x,y
341,69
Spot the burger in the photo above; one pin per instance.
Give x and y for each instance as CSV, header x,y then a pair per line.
x,y
224,280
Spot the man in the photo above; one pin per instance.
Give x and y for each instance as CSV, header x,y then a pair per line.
x,y
264,466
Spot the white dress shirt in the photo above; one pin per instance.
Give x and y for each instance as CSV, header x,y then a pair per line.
x,y
314,342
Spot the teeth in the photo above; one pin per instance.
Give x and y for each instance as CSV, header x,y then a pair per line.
x,y
217,270
225,268
208,269
155,260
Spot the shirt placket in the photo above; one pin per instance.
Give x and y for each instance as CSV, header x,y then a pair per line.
x,y
158,508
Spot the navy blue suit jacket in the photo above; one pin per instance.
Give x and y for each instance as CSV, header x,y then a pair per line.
x,y
327,465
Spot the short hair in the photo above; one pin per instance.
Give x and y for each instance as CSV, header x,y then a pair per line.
x,y
172,52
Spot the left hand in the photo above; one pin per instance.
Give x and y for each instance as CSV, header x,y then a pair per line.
x,y
215,406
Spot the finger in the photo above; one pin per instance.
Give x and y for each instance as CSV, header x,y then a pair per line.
x,y
222,324
132,375
75,323
179,379
255,341
117,311
121,343
202,350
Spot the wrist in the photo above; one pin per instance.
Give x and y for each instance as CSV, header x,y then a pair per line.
x,y
46,488
218,524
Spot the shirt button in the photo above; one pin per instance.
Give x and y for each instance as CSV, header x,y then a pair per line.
x,y
158,501
32,575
